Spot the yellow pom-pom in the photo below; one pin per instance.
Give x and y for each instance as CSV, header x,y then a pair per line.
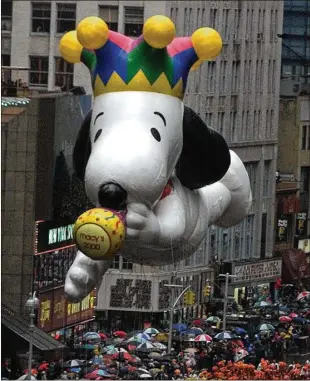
x,y
99,233
207,43
92,32
158,31
70,48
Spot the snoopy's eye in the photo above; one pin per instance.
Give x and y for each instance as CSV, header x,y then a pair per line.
x,y
98,133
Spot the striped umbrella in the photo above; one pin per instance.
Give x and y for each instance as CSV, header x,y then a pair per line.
x,y
151,331
91,336
143,336
205,338
266,327
135,340
145,347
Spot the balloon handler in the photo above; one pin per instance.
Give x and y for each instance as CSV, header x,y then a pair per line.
x,y
157,175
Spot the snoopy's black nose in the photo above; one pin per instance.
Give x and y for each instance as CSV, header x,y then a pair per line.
x,y
113,196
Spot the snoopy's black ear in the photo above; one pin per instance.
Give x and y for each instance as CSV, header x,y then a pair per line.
x,y
205,157
82,148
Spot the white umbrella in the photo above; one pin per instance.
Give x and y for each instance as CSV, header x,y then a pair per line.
x,y
303,294
160,346
144,376
143,371
151,331
224,336
24,377
266,327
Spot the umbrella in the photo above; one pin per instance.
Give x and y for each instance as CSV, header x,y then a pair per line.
x,y
198,322
75,370
240,354
213,319
136,340
224,336
263,303
240,331
205,338
154,355
191,350
179,327
293,315
160,346
155,370
285,319
72,364
143,336
120,334
151,331
145,347
122,355
102,336
145,375
303,294
192,331
266,327
91,336
24,377
299,320
99,373
141,370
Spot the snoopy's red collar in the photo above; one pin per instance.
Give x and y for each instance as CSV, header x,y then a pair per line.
x,y
167,190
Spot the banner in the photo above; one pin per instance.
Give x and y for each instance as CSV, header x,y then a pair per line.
x,y
301,223
258,271
55,312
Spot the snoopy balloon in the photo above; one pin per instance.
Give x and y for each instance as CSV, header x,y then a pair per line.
x,y
141,151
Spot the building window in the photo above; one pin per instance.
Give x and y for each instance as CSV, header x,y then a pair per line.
x,y
38,74
63,74
211,77
305,179
263,236
213,18
6,16
41,17
5,60
208,119
115,264
266,191
209,102
110,16
223,73
220,122
225,19
305,138
66,16
134,17
235,77
252,171
126,264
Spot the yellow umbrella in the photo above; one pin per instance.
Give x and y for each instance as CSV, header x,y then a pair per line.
x,y
162,337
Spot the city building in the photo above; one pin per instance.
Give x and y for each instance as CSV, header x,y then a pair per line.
x,y
237,95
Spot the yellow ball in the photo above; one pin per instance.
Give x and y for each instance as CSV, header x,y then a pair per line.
x,y
99,233
207,43
159,31
92,32
70,48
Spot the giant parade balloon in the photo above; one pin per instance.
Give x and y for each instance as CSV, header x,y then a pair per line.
x,y
145,158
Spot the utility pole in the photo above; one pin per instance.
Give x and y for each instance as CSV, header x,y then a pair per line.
x,y
227,276
173,303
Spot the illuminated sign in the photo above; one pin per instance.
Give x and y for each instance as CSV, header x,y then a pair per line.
x,y
55,312
304,245
51,236
301,223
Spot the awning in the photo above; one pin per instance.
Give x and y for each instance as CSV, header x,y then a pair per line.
x,y
19,326
295,265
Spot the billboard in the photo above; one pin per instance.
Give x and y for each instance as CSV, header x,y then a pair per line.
x,y
257,271
55,312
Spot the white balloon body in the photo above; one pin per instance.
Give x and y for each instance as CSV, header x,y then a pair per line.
x,y
158,231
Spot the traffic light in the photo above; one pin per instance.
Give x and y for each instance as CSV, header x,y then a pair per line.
x,y
207,290
189,298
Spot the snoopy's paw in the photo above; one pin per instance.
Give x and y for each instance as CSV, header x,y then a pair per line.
x,y
141,223
79,283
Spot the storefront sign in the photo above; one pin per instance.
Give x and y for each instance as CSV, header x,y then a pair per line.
x,y
257,271
51,236
301,223
55,312
282,229
304,245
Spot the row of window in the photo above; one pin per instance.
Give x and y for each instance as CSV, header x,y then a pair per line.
x,y
305,137
66,18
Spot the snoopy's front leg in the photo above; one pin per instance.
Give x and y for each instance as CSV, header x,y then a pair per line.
x,y
83,276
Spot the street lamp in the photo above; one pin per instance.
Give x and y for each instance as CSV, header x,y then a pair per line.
x,y
227,276
172,306
32,304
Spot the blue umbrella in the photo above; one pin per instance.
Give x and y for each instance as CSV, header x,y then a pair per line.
x,y
75,370
299,320
240,331
179,327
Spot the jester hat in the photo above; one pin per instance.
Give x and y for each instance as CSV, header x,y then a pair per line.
x,y
157,61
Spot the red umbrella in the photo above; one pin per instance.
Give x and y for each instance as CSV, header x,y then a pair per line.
x,y
34,372
102,336
120,334
122,356
199,322
131,347
285,319
293,315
